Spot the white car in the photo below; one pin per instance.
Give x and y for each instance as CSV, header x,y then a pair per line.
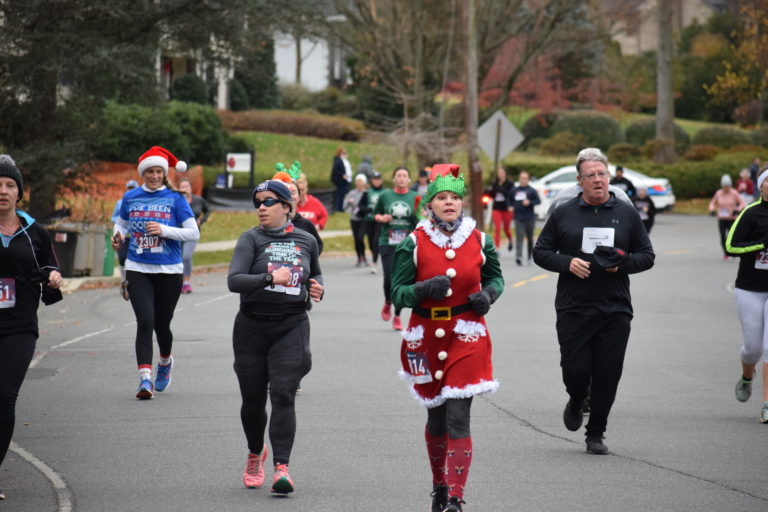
x,y
548,186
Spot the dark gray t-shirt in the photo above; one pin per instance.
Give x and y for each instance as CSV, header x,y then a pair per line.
x,y
258,253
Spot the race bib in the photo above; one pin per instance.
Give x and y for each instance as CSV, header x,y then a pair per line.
x,y
724,212
294,286
500,197
521,195
151,243
622,186
761,260
7,292
419,367
592,237
396,236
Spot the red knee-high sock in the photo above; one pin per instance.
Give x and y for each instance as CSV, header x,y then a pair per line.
x,y
436,449
457,466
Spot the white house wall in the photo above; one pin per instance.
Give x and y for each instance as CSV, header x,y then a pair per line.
x,y
314,68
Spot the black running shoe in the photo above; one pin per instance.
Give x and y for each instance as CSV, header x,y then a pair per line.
x,y
439,498
573,415
454,504
596,446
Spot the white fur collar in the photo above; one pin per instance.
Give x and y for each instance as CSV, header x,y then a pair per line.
x,y
441,240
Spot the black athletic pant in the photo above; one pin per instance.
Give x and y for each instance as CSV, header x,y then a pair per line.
x,y
371,230
153,297
16,351
724,226
387,260
592,351
451,417
524,228
358,232
271,357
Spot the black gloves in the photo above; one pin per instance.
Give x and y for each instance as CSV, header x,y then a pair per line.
x,y
432,288
482,300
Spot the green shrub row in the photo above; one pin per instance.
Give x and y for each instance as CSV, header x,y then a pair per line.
x,y
293,123
190,131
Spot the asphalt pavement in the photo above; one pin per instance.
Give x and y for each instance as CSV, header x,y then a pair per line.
x,y
680,440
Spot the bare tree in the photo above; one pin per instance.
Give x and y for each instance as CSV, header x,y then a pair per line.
x,y
665,104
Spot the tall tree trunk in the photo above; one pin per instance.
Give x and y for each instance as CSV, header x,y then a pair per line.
x,y
297,39
470,102
665,106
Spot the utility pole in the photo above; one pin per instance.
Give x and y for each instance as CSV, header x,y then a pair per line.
x,y
665,105
470,103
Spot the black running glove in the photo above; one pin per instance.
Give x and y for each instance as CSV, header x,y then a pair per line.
x,y
432,288
482,300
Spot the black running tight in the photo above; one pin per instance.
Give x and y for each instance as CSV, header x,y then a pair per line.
x,y
153,297
451,417
16,351
271,357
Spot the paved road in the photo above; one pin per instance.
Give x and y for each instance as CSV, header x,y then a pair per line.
x,y
680,440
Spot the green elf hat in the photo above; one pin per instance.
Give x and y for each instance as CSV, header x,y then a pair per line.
x,y
295,170
445,178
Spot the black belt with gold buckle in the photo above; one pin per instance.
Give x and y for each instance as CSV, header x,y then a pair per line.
x,y
442,313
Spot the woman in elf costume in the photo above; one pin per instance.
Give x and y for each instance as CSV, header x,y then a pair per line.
x,y
448,273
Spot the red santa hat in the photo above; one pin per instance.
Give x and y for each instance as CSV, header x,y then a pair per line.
x,y
160,157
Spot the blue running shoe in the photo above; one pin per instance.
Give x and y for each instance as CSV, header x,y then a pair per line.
x,y
163,379
146,390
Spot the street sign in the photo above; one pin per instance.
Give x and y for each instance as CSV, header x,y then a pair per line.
x,y
498,137
239,162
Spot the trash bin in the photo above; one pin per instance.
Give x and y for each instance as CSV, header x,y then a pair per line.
x,y
64,241
109,255
80,248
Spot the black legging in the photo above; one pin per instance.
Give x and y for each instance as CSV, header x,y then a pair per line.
x,y
452,417
387,259
153,297
724,226
271,357
371,229
358,232
16,351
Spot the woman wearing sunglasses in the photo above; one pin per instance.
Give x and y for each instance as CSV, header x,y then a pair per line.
x,y
274,268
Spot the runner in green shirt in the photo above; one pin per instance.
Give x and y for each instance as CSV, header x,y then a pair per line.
x,y
395,212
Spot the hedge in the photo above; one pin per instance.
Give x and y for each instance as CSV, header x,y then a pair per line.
x,y
597,130
293,123
721,136
642,131
538,126
190,131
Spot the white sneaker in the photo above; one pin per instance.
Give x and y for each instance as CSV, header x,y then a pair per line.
x,y
764,413
743,390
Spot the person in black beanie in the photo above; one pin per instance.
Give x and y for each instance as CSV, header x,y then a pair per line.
x,y
27,261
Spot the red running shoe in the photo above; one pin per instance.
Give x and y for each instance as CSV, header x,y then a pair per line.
x,y
282,484
397,324
386,312
253,476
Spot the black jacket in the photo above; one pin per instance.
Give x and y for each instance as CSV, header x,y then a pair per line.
x,y
561,240
748,238
28,260
338,172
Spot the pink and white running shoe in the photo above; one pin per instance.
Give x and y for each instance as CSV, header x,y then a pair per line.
x,y
253,476
282,484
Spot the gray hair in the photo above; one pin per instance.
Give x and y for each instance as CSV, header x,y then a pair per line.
x,y
590,155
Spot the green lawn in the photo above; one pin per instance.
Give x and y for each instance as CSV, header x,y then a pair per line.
x,y
225,225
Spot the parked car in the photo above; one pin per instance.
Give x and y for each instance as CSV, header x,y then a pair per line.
x,y
548,186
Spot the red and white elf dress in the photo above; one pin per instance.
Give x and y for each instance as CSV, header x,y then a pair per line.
x,y
446,349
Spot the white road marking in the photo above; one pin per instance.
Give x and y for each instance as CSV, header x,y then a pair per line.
x,y
63,494
43,353
215,299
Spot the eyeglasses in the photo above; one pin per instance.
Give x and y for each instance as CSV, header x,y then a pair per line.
x,y
595,176
270,201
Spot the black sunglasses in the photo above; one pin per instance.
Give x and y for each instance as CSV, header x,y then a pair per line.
x,y
270,201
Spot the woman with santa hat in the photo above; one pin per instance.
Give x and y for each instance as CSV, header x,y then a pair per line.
x,y
158,218
448,273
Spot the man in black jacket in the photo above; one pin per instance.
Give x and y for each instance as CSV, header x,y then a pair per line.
x,y
593,304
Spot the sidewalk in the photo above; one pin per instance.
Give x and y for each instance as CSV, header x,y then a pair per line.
x,y
74,283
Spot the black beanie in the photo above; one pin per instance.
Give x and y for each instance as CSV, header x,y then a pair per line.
x,y
8,169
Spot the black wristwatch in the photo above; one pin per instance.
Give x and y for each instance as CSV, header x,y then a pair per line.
x,y
268,278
